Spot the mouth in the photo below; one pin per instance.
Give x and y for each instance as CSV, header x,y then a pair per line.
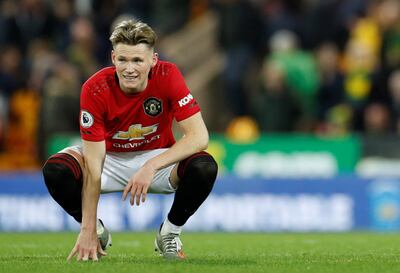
x,y
130,78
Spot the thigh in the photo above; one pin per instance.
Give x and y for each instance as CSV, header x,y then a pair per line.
x,y
120,167
76,152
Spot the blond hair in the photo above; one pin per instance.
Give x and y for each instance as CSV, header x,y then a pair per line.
x,y
132,33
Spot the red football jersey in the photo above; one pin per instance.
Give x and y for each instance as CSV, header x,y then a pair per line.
x,y
135,122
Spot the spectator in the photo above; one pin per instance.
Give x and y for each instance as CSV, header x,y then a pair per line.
x,y
41,59
8,9
82,50
276,108
331,20
63,13
365,82
169,15
394,89
31,21
338,121
60,103
330,90
240,35
11,73
300,70
377,119
282,14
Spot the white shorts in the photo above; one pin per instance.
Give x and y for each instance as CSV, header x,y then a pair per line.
x,y
120,167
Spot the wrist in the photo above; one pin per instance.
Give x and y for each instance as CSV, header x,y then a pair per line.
x,y
89,225
151,166
88,228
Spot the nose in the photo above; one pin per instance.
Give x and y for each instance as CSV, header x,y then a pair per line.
x,y
130,67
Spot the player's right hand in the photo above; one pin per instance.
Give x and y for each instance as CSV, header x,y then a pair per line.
x,y
87,247
138,185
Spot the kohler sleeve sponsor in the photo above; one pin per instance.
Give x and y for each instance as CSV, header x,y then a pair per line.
x,y
185,100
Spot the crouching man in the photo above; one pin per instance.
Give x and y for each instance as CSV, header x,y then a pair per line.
x,y
128,146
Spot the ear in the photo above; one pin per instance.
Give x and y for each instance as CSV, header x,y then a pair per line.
x,y
113,56
155,59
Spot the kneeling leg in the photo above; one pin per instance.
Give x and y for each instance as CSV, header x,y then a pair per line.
x,y
63,178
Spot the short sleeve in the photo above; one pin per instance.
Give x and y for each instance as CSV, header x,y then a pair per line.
x,y
183,103
91,119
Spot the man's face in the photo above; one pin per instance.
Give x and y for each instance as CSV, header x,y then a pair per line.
x,y
133,64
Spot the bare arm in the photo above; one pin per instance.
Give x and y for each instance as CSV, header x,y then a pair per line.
x,y
195,139
87,244
93,158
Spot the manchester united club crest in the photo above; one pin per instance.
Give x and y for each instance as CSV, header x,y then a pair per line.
x,y
152,106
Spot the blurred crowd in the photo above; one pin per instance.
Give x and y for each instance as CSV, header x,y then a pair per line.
x,y
48,49
318,66
329,67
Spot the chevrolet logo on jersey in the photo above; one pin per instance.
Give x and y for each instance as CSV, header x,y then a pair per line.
x,y
135,131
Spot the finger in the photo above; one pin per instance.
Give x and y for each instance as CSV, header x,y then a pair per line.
x,y
94,255
138,199
72,254
85,255
126,191
80,255
133,193
132,199
144,194
100,251
138,195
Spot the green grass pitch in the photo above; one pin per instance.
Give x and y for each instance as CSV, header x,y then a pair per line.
x,y
210,252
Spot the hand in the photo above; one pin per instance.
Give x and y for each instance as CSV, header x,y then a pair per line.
x,y
87,247
139,184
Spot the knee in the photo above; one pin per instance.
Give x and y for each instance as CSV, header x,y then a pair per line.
x,y
205,167
60,168
201,165
63,178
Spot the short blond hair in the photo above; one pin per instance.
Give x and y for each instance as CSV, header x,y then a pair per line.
x,y
132,32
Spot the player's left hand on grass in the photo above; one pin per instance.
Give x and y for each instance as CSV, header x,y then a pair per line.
x,y
87,247
139,184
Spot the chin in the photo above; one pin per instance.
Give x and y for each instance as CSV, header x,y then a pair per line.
x,y
130,89
131,86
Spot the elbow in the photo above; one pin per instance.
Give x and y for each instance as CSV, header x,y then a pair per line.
x,y
203,146
203,143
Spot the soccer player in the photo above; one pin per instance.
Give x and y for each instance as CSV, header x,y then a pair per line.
x,y
128,146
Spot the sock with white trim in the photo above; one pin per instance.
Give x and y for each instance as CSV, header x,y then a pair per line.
x,y
168,227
